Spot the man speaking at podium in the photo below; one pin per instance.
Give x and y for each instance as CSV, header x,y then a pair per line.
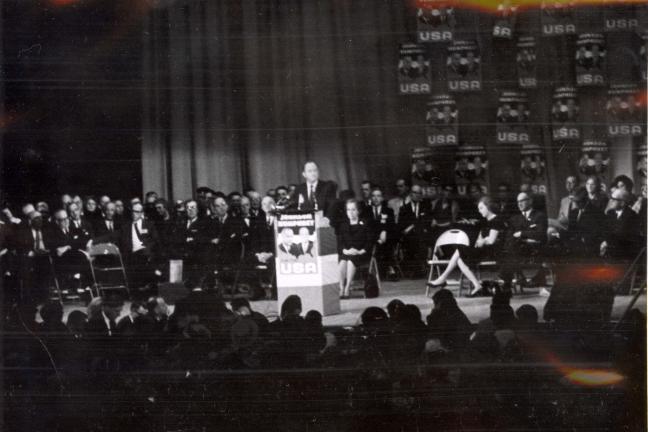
x,y
315,194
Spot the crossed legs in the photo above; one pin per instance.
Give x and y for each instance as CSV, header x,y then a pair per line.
x,y
455,261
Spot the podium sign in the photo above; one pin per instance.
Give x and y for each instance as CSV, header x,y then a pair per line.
x,y
307,262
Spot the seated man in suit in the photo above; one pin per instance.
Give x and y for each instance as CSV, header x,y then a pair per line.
x,y
365,200
33,256
414,222
527,237
262,247
107,229
621,236
315,194
194,241
80,227
139,243
65,244
401,198
383,230
224,235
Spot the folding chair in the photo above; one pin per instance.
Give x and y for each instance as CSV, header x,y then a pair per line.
x,y
235,268
398,258
450,237
371,268
109,275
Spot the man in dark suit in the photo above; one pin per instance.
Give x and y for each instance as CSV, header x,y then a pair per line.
x,y
35,271
82,230
621,236
224,235
364,206
527,237
315,194
139,242
194,240
65,244
304,247
414,222
585,226
107,229
381,222
262,246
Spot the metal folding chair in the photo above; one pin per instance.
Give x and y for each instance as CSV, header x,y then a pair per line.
x,y
450,237
110,275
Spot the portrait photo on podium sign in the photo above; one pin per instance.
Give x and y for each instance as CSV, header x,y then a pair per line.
x,y
297,247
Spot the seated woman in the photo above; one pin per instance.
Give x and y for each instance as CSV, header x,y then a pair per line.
x,y
354,246
486,245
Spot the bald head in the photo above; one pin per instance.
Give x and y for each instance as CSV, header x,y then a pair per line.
x,y
524,201
620,198
267,204
416,193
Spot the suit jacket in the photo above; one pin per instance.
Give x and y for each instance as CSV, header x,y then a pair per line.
x,y
407,217
193,239
325,196
103,235
262,237
56,238
622,234
385,222
299,249
24,239
534,228
148,236
585,234
83,234
395,204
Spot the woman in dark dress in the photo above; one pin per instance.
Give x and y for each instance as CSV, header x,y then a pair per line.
x,y
354,246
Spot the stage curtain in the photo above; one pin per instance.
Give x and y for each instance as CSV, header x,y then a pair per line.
x,y
240,94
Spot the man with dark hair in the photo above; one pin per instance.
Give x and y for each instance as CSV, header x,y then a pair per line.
x,y
315,194
204,195
383,230
413,223
193,240
585,226
365,201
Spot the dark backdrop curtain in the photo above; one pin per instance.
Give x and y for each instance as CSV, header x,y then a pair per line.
x,y
240,93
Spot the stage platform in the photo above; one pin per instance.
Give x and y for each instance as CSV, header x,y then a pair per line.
x,y
413,292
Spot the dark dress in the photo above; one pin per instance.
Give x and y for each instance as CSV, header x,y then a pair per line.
x,y
354,236
490,252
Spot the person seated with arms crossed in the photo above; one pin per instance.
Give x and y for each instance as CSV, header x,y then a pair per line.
x,y
354,246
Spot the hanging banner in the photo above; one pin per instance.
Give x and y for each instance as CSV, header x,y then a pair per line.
x,y
557,18
533,172
620,17
625,113
595,160
425,172
414,76
463,67
526,62
471,167
442,121
590,60
564,114
505,19
435,21
512,118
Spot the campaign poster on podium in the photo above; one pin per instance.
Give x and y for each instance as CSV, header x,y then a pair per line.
x,y
297,247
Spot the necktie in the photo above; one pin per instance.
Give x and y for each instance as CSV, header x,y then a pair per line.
x,y
580,213
137,232
38,244
270,221
311,194
376,213
416,210
110,226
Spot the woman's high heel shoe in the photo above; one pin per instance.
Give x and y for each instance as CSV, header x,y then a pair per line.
x,y
440,285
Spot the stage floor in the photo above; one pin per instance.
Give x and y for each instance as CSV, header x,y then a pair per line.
x,y
413,292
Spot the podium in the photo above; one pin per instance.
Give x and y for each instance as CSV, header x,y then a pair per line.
x,y
307,262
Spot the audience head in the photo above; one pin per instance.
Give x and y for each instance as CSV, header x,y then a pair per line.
x,y
622,182
76,322
524,201
374,317
104,200
241,307
76,199
619,199
255,199
313,319
281,193
94,308
66,199
112,306
346,195
416,193
292,187
268,204
570,184
219,207
191,206
51,312
412,314
109,210
161,208
75,211
311,172
43,208
234,200
352,210
376,196
402,188
90,204
292,306
150,197
119,207
365,188
475,192
444,300
593,185
27,209
395,309
487,207
137,309
61,219
134,201
137,211
245,206
527,316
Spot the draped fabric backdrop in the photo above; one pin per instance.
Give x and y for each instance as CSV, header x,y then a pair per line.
x,y
240,93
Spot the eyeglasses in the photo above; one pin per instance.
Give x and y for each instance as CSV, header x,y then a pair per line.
x,y
138,211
